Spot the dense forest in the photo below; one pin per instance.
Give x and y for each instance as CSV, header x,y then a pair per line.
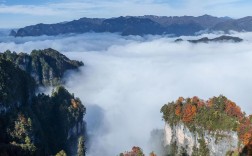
x,y
33,124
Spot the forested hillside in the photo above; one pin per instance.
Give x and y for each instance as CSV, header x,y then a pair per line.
x,y
35,124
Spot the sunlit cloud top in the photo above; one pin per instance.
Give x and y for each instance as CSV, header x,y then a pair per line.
x,y
16,13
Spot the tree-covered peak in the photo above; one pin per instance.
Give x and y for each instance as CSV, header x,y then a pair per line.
x,y
46,66
35,124
51,53
215,115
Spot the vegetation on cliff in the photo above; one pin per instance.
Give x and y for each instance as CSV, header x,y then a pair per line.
x,y
215,115
136,151
46,66
57,115
81,146
34,124
15,86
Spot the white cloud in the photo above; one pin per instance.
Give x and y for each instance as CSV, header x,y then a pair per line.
x,y
126,80
53,12
29,9
126,7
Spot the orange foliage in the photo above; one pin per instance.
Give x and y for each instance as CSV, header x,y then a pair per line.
x,y
136,151
180,100
195,100
200,104
209,103
245,133
152,154
233,110
189,112
247,138
187,108
249,146
178,110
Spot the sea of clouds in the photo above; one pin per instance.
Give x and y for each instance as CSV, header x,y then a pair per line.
x,y
126,80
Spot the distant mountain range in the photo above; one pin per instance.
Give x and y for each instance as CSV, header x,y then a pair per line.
x,y
140,25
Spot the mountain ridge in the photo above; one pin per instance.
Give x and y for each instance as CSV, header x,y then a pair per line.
x,y
140,25
46,66
36,124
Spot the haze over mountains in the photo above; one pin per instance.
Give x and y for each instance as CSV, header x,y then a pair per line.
x,y
127,79
134,65
141,25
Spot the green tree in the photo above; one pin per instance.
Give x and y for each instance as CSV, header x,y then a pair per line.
x,y
203,148
81,147
183,152
61,153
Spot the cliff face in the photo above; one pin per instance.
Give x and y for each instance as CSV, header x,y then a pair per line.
x,y
187,140
61,115
47,66
215,127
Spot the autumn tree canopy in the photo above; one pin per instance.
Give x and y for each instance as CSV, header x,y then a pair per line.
x,y
136,151
215,114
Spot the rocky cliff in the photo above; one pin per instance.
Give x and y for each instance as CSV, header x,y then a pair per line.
x,y
216,127
46,66
33,124
189,141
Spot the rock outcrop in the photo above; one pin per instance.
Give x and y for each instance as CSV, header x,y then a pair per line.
x,y
33,124
46,66
188,140
216,127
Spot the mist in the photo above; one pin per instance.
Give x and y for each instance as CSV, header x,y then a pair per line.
x,y
126,80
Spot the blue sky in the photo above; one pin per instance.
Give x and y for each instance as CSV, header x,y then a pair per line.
x,y
19,13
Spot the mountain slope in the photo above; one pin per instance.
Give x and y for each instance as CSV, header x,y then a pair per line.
x,y
242,24
46,66
35,124
205,21
133,25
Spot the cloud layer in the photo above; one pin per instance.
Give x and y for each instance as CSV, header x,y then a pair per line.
x,y
126,80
